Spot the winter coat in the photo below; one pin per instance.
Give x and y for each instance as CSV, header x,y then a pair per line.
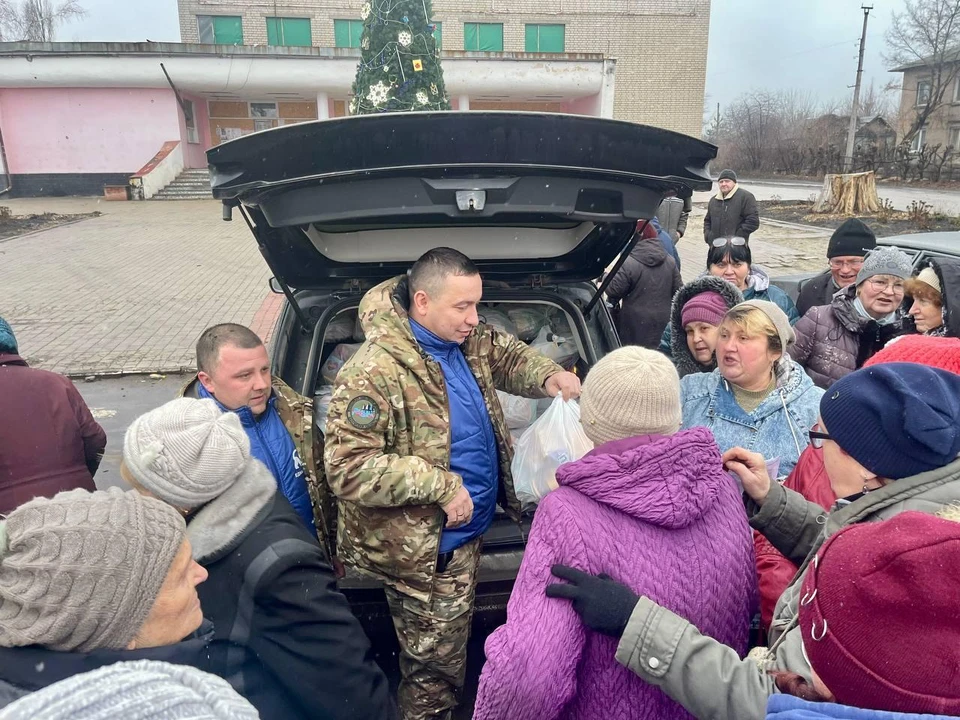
x,y
677,334
776,429
735,215
818,290
644,286
24,670
758,288
285,636
657,513
49,441
948,271
834,340
673,214
787,707
774,571
711,680
387,447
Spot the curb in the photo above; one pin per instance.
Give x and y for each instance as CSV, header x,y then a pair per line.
x,y
43,230
796,226
103,374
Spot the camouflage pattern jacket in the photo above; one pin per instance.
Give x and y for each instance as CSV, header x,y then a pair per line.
x,y
296,414
387,447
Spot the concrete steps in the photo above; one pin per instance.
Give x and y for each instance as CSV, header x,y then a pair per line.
x,y
189,185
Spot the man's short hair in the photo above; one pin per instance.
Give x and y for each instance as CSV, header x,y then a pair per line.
x,y
433,267
214,338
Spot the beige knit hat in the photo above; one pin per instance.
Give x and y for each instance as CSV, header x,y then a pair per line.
x,y
929,276
81,571
631,391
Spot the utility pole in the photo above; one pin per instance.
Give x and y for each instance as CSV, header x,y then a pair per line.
x,y
855,109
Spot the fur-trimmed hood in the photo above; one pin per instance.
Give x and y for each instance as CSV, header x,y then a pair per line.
x,y
948,272
682,358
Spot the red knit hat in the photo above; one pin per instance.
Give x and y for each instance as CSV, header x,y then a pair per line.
x,y
938,352
878,615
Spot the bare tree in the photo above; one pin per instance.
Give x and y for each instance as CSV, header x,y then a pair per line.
x,y
928,32
750,120
873,101
36,20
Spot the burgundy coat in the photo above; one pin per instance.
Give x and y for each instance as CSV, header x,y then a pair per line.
x,y
49,441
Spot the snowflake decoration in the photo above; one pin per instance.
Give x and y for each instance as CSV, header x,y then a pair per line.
x,y
433,88
365,43
405,38
386,68
353,106
422,98
378,94
365,11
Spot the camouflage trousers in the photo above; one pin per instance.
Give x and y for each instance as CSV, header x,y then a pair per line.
x,y
433,638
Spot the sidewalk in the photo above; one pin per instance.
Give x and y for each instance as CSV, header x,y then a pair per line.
x,y
130,291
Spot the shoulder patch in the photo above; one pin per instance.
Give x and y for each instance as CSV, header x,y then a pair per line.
x,y
363,412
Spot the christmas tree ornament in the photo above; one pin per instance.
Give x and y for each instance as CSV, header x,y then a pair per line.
x,y
422,97
405,38
418,65
365,11
433,89
365,44
406,19
378,94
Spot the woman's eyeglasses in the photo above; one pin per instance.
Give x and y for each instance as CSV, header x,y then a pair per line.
x,y
737,241
882,285
817,437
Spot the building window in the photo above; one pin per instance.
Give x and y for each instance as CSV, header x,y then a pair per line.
x,y
483,37
346,33
923,93
288,31
919,140
220,29
190,121
545,38
953,138
438,34
263,110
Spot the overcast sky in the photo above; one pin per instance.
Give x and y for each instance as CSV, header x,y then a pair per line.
x,y
774,44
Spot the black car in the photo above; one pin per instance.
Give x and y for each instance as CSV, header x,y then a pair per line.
x,y
544,204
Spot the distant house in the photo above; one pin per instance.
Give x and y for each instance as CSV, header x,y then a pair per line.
x,y
872,132
943,126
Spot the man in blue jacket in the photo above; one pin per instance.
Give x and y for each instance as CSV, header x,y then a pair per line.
x,y
234,370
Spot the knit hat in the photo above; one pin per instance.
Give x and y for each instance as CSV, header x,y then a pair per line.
x,y
727,175
631,391
8,341
81,571
135,690
929,276
885,260
873,592
937,352
708,307
186,452
852,239
778,317
895,419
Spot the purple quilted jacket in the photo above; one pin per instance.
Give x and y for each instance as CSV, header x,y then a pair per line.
x,y
657,513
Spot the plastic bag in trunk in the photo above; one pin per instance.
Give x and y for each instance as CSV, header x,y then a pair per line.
x,y
321,402
336,360
519,412
561,349
554,439
528,322
499,320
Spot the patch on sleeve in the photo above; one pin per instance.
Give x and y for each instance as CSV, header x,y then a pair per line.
x,y
363,412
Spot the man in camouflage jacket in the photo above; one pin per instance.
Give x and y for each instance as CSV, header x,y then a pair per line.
x,y
388,460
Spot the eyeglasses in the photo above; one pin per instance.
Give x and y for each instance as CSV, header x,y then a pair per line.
x,y
737,241
817,437
852,264
882,285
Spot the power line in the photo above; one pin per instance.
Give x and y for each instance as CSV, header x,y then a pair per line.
x,y
792,55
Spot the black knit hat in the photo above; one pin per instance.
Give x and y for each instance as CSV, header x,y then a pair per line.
x,y
852,239
727,175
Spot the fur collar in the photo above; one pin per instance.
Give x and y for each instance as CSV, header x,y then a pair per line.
x,y
220,525
720,195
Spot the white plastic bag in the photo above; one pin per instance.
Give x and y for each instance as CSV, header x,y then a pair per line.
x,y
554,439
519,412
336,360
562,350
321,401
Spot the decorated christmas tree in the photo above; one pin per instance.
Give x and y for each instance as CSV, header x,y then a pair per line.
x,y
399,63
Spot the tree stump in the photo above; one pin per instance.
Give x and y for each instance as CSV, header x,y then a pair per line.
x,y
851,194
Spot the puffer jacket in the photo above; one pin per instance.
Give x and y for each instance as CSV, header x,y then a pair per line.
x,y
387,446
675,333
948,272
630,508
710,679
777,429
834,340
644,286
786,707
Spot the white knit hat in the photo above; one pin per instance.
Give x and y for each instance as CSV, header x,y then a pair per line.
x,y
186,452
135,690
631,391
929,276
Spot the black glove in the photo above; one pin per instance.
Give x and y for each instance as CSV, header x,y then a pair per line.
x,y
604,604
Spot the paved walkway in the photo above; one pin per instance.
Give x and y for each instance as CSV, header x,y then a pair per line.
x,y
130,291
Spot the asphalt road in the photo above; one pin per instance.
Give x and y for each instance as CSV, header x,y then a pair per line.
x,y
117,401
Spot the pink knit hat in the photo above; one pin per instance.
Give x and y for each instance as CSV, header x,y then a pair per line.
x,y
708,307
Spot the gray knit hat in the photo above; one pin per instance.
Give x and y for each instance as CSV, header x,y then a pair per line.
x,y
885,260
631,391
186,452
81,571
137,690
785,332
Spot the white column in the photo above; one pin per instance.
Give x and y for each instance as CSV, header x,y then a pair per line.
x,y
608,89
323,106
463,102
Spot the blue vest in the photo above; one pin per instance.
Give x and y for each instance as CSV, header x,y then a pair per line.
x,y
473,445
271,444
